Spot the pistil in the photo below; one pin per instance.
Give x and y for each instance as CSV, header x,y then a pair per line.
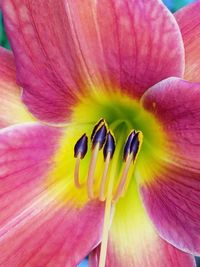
x,y
107,218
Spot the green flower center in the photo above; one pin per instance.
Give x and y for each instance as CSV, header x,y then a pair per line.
x,y
122,115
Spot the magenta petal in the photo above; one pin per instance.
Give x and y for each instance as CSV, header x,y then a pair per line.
x,y
12,110
164,255
188,19
172,198
37,228
7,67
25,153
133,241
47,71
142,46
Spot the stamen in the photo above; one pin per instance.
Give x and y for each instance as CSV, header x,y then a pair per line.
x,y
97,143
76,171
81,146
103,179
123,178
133,149
90,179
108,152
80,150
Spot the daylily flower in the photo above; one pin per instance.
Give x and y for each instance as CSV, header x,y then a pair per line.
x,y
113,70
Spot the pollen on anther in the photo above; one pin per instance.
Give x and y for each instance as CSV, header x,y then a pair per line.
x,y
97,126
135,144
81,147
80,150
127,147
109,146
100,136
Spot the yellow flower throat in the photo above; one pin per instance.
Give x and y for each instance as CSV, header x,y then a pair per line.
x,y
123,140
102,137
110,142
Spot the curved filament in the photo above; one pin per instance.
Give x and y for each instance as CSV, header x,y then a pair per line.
x,y
104,176
90,179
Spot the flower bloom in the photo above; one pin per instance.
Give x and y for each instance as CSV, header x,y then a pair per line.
x,y
99,68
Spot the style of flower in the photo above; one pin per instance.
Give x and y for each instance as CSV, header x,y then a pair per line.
x,y
104,157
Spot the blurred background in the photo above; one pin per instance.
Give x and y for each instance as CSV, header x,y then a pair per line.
x,y
173,5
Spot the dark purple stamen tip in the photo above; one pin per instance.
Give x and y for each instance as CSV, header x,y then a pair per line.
x,y
109,146
127,147
135,144
101,121
81,146
100,136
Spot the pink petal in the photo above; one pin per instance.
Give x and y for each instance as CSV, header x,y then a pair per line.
x,y
134,243
188,19
172,198
37,227
12,110
107,44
